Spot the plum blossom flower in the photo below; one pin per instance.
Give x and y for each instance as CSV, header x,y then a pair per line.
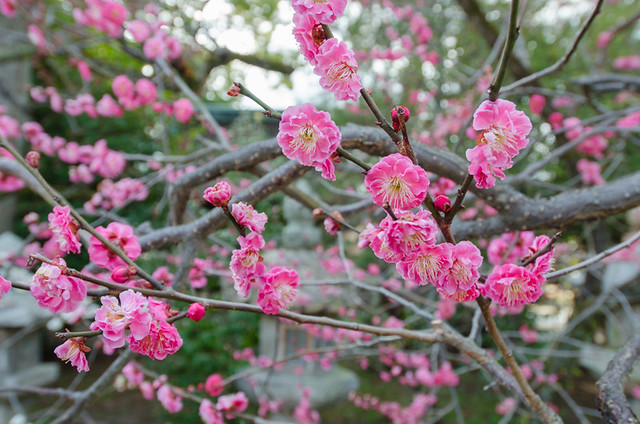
x,y
403,238
310,34
510,247
55,291
5,286
245,215
113,318
397,181
536,103
214,385
120,235
324,11
309,136
233,403
73,351
338,70
209,414
278,290
504,132
169,399
163,339
463,274
65,228
428,266
543,263
183,110
590,172
513,286
218,195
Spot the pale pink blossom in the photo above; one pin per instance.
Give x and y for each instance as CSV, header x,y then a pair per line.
x,y
324,11
504,132
65,228
309,136
544,262
245,215
528,335
183,110
428,266
234,403
73,351
510,247
139,30
146,91
627,63
303,413
461,277
397,181
218,195
55,291
134,376
338,70
121,236
590,172
5,286
629,121
169,399
155,47
36,36
604,38
209,414
113,318
163,339
278,290
513,286
122,87
84,70
507,404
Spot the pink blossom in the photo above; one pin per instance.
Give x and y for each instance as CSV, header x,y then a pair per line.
x,y
146,91
118,194
139,30
196,312
403,238
55,291
113,318
73,350
397,181
234,403
36,36
543,263
590,172
428,266
325,11
218,195
8,8
309,33
303,413
163,275
627,63
505,407
155,47
209,414
245,215
604,38
463,273
528,335
163,339
512,286
183,110
504,133
332,226
536,103
122,87
121,236
593,146
214,385
169,399
629,121
65,228
635,392
278,290
133,375
5,286
309,136
510,247
338,70
9,128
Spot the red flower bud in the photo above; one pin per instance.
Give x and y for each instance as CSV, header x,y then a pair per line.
x,y
195,311
122,274
233,91
397,111
442,203
318,34
33,159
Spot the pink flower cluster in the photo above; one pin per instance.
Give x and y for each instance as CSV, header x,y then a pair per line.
x,y
410,242
513,286
229,405
55,291
65,228
627,63
247,216
9,183
104,15
132,96
5,286
504,132
397,181
309,136
121,236
117,194
332,60
277,288
590,172
157,43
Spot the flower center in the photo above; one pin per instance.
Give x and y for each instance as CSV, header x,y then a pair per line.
x,y
515,292
306,139
396,190
341,71
498,139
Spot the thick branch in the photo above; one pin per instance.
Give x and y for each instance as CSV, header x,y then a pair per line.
x,y
610,397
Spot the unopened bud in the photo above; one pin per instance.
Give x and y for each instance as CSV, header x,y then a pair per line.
x,y
218,195
195,311
399,110
122,274
317,213
33,159
233,91
442,203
